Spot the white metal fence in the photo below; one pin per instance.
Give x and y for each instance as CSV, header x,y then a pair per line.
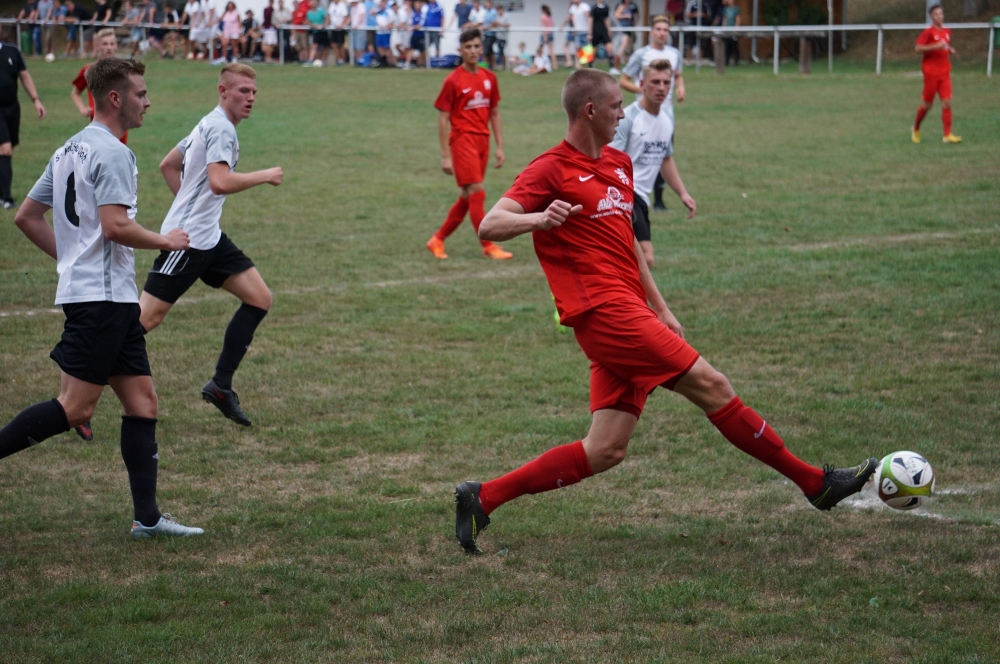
x,y
755,33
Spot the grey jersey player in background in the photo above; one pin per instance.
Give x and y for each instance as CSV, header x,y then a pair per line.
x,y
201,171
646,135
90,186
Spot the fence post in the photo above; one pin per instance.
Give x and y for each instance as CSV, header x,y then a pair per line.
x,y
281,45
350,51
829,48
805,55
18,35
777,50
989,57
681,43
878,54
719,51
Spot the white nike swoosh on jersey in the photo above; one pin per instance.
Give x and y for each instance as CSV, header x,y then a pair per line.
x,y
761,432
466,91
584,179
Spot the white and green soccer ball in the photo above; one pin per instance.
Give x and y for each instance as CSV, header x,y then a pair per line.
x,y
904,480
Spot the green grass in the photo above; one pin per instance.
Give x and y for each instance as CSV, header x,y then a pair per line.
x,y
843,278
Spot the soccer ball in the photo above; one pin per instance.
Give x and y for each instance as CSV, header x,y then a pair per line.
x,y
904,480
50,57
317,63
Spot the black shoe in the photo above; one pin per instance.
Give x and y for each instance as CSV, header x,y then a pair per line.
x,y
470,520
841,483
226,401
85,431
658,205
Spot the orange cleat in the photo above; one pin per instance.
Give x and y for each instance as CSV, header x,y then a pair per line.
x,y
436,247
496,252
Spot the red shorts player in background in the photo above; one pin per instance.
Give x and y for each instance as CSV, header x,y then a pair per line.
x,y
935,44
106,47
469,102
576,201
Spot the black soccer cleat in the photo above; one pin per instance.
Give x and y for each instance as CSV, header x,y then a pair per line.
x,y
659,205
85,431
841,483
470,519
226,401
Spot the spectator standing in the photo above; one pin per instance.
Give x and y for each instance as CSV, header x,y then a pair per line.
x,y
698,14
503,30
75,15
460,18
599,34
371,9
433,20
579,19
27,15
489,32
10,114
626,14
548,38
418,45
45,17
269,33
318,20
730,18
192,8
359,17
476,15
133,17
339,21
405,23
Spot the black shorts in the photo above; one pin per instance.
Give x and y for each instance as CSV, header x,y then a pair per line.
x,y
100,340
640,220
321,38
417,42
488,42
337,37
174,272
157,34
601,39
10,124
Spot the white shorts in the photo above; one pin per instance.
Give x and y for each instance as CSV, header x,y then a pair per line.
x,y
270,37
201,35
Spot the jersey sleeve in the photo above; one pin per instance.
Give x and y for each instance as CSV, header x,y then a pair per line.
x,y
113,177
220,144
80,82
182,147
495,94
537,185
925,37
42,191
444,100
19,64
633,68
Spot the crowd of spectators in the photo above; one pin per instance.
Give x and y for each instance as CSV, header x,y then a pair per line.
x,y
402,33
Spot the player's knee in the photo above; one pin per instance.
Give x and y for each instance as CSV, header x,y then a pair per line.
x,y
264,299
77,413
143,403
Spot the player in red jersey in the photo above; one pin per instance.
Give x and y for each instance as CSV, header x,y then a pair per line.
x,y
576,201
935,44
107,47
469,102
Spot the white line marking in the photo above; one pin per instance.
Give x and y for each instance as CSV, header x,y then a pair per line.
x,y
890,239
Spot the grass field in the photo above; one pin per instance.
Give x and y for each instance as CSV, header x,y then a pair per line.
x,y
843,278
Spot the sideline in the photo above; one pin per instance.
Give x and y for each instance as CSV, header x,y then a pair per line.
x,y
889,239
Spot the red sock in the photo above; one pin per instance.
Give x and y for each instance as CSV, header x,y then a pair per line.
x,y
751,434
477,211
946,120
454,219
921,114
557,468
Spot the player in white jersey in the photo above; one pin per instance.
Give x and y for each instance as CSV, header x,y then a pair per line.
x,y
646,134
90,184
659,48
201,171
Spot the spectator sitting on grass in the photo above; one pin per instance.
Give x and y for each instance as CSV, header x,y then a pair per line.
x,y
542,63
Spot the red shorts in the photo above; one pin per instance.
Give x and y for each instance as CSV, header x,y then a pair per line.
x,y
940,85
631,354
470,153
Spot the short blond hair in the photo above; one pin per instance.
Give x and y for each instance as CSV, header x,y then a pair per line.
x,y
662,18
657,65
106,32
239,69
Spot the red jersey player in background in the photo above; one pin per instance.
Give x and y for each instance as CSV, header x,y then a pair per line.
x,y
935,44
469,102
106,47
576,201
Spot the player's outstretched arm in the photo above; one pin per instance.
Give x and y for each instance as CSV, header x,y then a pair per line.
x,y
223,181
118,227
670,175
30,219
171,168
508,219
29,87
656,301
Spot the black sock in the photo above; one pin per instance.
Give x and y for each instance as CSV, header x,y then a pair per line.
x,y
141,455
239,334
6,177
658,189
33,425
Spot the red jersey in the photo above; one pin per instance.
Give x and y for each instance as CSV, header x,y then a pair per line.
x,y
936,62
469,99
80,83
590,259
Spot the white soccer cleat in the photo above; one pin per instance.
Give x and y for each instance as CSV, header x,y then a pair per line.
x,y
165,526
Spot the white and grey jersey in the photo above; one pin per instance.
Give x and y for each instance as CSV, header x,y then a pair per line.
x,y
92,169
641,57
196,209
647,139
